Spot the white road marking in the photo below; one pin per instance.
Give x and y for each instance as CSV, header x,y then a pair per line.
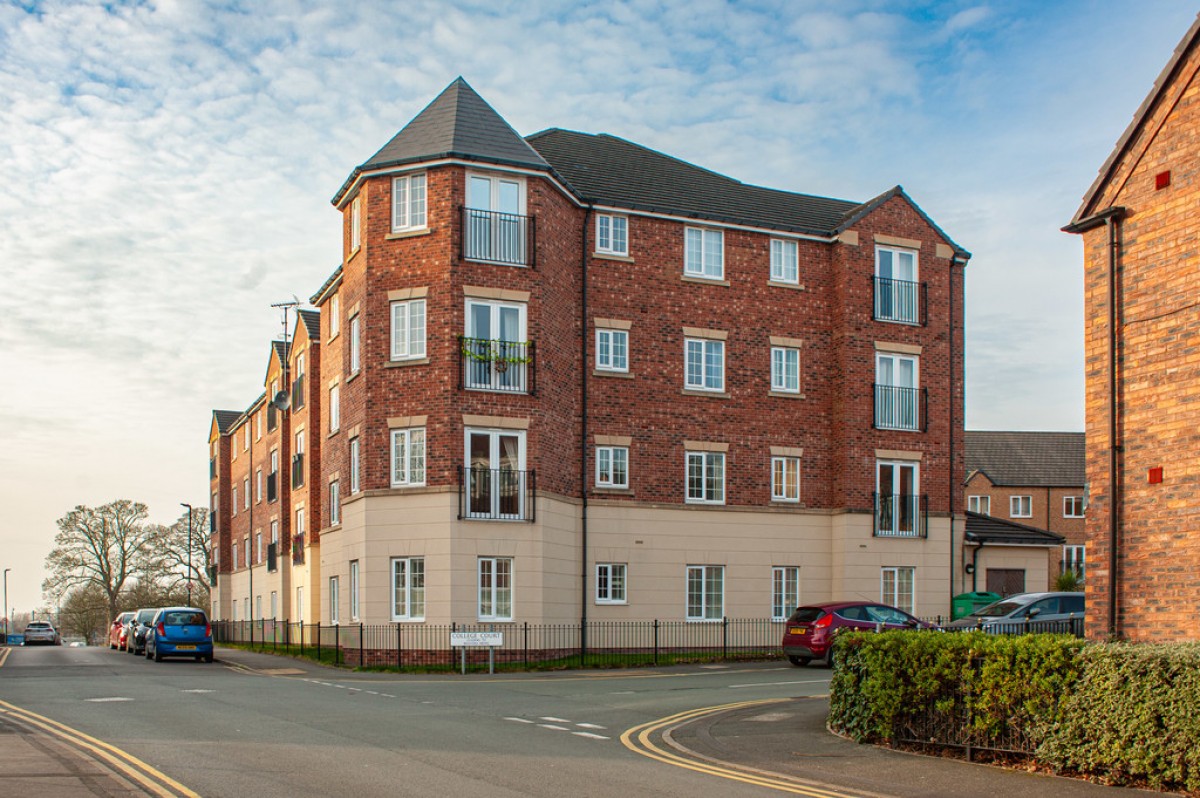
x,y
771,684
589,726
553,727
385,695
519,720
107,700
556,720
371,692
589,735
196,691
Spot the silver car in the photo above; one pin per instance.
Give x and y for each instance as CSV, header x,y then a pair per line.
x,y
41,633
1036,609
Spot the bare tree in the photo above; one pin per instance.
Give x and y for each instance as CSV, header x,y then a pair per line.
x,y
180,557
84,612
104,547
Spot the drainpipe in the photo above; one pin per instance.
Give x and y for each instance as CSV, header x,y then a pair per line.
x,y
955,485
1114,446
975,567
583,435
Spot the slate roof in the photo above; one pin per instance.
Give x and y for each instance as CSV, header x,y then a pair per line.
x,y
312,321
457,124
1035,459
608,170
226,419
986,529
331,281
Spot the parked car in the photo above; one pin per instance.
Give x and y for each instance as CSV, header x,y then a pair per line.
x,y
810,629
42,633
116,632
136,629
1021,608
180,632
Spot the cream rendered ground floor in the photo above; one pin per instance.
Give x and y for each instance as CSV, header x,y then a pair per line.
x,y
407,557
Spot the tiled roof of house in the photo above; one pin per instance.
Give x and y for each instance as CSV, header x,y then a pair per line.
x,y
1041,459
281,349
329,283
608,170
986,529
226,419
457,124
312,321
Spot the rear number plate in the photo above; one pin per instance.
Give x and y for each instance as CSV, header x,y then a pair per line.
x,y
797,630
185,648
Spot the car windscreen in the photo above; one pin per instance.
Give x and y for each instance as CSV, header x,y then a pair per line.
x,y
806,614
997,610
183,618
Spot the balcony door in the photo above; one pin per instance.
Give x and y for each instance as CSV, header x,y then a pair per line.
x,y
495,346
495,474
896,298
899,502
896,395
495,219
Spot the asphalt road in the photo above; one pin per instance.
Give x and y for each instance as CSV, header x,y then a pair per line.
x,y
253,725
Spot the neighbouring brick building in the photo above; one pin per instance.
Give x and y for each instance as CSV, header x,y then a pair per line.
x,y
1035,480
567,377
1140,226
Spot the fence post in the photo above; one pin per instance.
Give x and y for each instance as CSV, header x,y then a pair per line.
x,y
361,663
525,644
397,645
300,629
656,641
724,637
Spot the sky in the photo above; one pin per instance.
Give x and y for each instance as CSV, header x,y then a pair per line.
x,y
166,170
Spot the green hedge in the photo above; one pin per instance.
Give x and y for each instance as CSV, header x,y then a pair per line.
x,y
1134,715
1005,685
1124,713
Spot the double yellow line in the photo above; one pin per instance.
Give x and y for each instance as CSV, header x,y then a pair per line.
x,y
154,781
640,740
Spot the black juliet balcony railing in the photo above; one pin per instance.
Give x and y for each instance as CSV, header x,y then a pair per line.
x,y
901,301
899,515
900,408
496,237
492,365
496,494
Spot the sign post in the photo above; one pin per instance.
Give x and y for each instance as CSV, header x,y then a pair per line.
x,y
489,640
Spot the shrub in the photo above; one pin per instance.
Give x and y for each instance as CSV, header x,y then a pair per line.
x,y
1003,685
1134,715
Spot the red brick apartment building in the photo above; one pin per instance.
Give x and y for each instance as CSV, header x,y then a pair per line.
x,y
567,377
1142,326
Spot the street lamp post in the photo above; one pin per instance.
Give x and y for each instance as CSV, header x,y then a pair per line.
x,y
4,609
189,554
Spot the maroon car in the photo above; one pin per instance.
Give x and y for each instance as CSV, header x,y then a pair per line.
x,y
116,632
809,632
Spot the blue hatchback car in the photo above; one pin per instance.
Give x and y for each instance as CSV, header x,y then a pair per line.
x,y
180,632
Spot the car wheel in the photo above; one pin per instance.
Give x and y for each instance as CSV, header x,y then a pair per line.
x,y
799,662
208,657
157,656
147,652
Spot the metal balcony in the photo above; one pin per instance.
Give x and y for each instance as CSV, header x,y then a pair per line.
x,y
496,494
496,237
901,515
494,365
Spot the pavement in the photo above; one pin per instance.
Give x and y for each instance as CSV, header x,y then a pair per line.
x,y
782,744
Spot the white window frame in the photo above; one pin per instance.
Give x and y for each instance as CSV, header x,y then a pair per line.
x,y
612,234
246,493
701,609
335,321
497,233
786,489
607,342
354,585
891,587
410,211
408,329
258,486
335,502
354,461
495,455
274,605
335,408
710,492
258,547
785,369
408,599
258,606
700,380
236,553
246,438
893,490
785,261
1070,503
785,591
355,224
408,457
1020,506
300,604
899,412
275,531
1074,557
708,262
300,521
490,604
610,460
612,583
234,503
980,504
905,305
334,600
355,344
